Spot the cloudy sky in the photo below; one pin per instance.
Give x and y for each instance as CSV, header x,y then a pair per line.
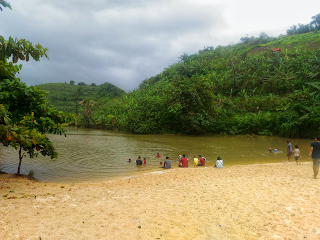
x,y
127,41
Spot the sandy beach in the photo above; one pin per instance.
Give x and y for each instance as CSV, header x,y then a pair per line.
x,y
268,201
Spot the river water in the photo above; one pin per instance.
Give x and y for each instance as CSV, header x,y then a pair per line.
x,y
91,155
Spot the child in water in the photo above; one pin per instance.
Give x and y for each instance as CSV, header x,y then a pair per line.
x,y
297,154
144,161
158,155
195,161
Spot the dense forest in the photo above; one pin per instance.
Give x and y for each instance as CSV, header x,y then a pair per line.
x,y
261,85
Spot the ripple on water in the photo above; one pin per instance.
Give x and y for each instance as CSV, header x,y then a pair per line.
x,y
87,155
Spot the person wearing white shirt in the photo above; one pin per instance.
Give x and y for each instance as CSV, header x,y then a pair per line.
x,y
219,163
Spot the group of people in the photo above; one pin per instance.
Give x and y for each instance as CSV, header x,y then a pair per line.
x,y
275,150
201,161
139,161
296,152
196,161
183,161
314,153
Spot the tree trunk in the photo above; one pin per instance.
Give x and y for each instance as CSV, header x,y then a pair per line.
x,y
20,159
234,77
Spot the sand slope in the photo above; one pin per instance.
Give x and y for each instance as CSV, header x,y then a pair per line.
x,y
269,201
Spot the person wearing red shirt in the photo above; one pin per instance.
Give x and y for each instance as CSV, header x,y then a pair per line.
x,y
202,161
183,161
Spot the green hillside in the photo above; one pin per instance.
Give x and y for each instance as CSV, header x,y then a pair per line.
x,y
263,85
66,97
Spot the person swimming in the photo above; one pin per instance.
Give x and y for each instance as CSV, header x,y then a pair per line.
x,y
158,155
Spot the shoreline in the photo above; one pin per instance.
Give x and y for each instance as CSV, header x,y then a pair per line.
x,y
138,174
260,201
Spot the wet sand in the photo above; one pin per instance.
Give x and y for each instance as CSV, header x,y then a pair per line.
x,y
268,201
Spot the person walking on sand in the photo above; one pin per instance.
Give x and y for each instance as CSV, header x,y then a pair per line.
x,y
297,154
315,154
183,161
289,150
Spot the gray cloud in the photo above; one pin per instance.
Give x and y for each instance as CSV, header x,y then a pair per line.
x,y
121,42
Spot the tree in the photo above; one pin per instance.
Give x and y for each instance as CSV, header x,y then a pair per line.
x,y
245,39
25,116
76,98
72,82
87,104
4,4
316,21
82,84
93,85
24,137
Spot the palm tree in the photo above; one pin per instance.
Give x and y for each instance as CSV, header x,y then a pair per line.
x,y
4,4
87,111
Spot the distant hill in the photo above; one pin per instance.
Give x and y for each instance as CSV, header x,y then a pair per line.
x,y
64,96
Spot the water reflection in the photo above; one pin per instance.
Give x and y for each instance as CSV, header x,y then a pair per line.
x,y
87,155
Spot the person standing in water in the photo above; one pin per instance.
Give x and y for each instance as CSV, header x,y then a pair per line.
x,y
144,161
289,150
297,154
315,154
139,162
